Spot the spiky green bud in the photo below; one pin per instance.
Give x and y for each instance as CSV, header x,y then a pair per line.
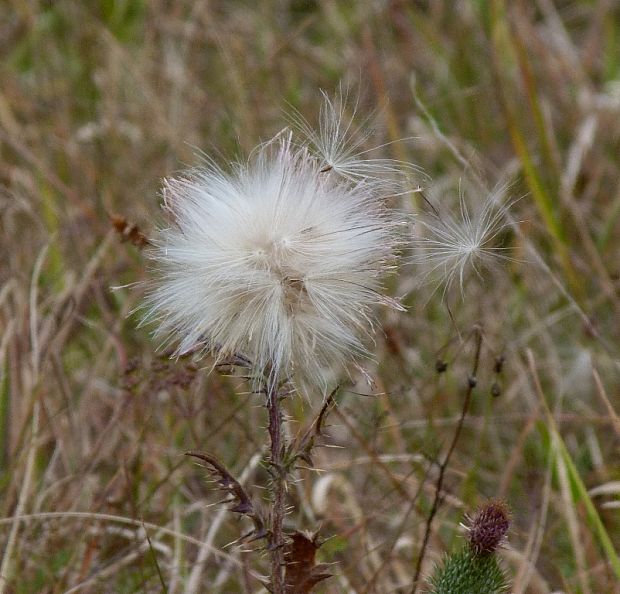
x,y
466,572
474,569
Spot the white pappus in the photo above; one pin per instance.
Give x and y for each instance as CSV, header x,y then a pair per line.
x,y
448,246
276,259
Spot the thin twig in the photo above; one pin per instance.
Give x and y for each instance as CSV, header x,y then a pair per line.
x,y
303,449
471,384
154,555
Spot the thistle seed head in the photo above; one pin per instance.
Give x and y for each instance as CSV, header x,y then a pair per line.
x,y
273,259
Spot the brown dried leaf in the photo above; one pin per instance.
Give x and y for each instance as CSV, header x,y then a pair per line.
x,y
302,572
242,502
129,231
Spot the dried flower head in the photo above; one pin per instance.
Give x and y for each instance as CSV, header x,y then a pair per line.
x,y
275,259
450,246
488,527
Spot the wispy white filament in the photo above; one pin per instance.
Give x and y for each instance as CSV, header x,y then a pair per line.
x,y
449,246
276,259
340,144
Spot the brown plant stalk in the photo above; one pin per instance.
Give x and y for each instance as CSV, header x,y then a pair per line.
x,y
471,384
276,542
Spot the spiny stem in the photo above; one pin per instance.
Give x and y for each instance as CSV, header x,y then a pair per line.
x,y
276,544
471,384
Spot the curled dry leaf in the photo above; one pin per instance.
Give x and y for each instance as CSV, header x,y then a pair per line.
x,y
242,503
302,572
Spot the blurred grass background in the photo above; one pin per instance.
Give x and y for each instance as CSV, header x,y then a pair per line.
x,y
101,99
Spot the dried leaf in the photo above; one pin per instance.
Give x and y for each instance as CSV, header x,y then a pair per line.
x,y
129,231
242,503
302,572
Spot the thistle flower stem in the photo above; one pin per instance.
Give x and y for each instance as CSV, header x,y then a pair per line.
x,y
276,544
471,384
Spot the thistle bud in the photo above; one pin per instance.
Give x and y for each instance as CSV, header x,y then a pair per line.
x,y
488,527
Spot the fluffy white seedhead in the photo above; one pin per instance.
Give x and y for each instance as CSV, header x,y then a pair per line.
x,y
273,259
341,146
449,246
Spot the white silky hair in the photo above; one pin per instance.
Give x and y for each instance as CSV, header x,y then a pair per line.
x,y
451,245
276,259
341,143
